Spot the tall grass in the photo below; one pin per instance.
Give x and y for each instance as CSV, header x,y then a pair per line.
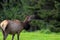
x,y
35,36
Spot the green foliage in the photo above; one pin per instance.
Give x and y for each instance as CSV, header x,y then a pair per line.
x,y
21,8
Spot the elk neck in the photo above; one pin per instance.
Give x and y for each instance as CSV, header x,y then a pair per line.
x,y
26,21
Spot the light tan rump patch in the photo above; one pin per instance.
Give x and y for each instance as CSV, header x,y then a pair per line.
x,y
4,24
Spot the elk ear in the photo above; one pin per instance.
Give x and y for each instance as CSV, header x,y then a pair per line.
x,y
4,24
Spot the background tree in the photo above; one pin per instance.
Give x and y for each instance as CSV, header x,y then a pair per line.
x,y
47,12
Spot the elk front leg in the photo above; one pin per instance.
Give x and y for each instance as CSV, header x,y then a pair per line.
x,y
18,36
13,36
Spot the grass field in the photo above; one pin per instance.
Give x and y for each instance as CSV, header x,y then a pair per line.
x,y
35,36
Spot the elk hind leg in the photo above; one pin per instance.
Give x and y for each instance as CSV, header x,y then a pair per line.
x,y
5,35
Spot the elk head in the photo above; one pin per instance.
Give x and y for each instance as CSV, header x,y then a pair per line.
x,y
27,21
28,18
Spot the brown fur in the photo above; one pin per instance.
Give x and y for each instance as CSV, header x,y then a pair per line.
x,y
13,27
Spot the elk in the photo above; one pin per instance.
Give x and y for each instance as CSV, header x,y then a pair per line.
x,y
14,27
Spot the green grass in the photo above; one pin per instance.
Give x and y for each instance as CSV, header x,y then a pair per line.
x,y
35,36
